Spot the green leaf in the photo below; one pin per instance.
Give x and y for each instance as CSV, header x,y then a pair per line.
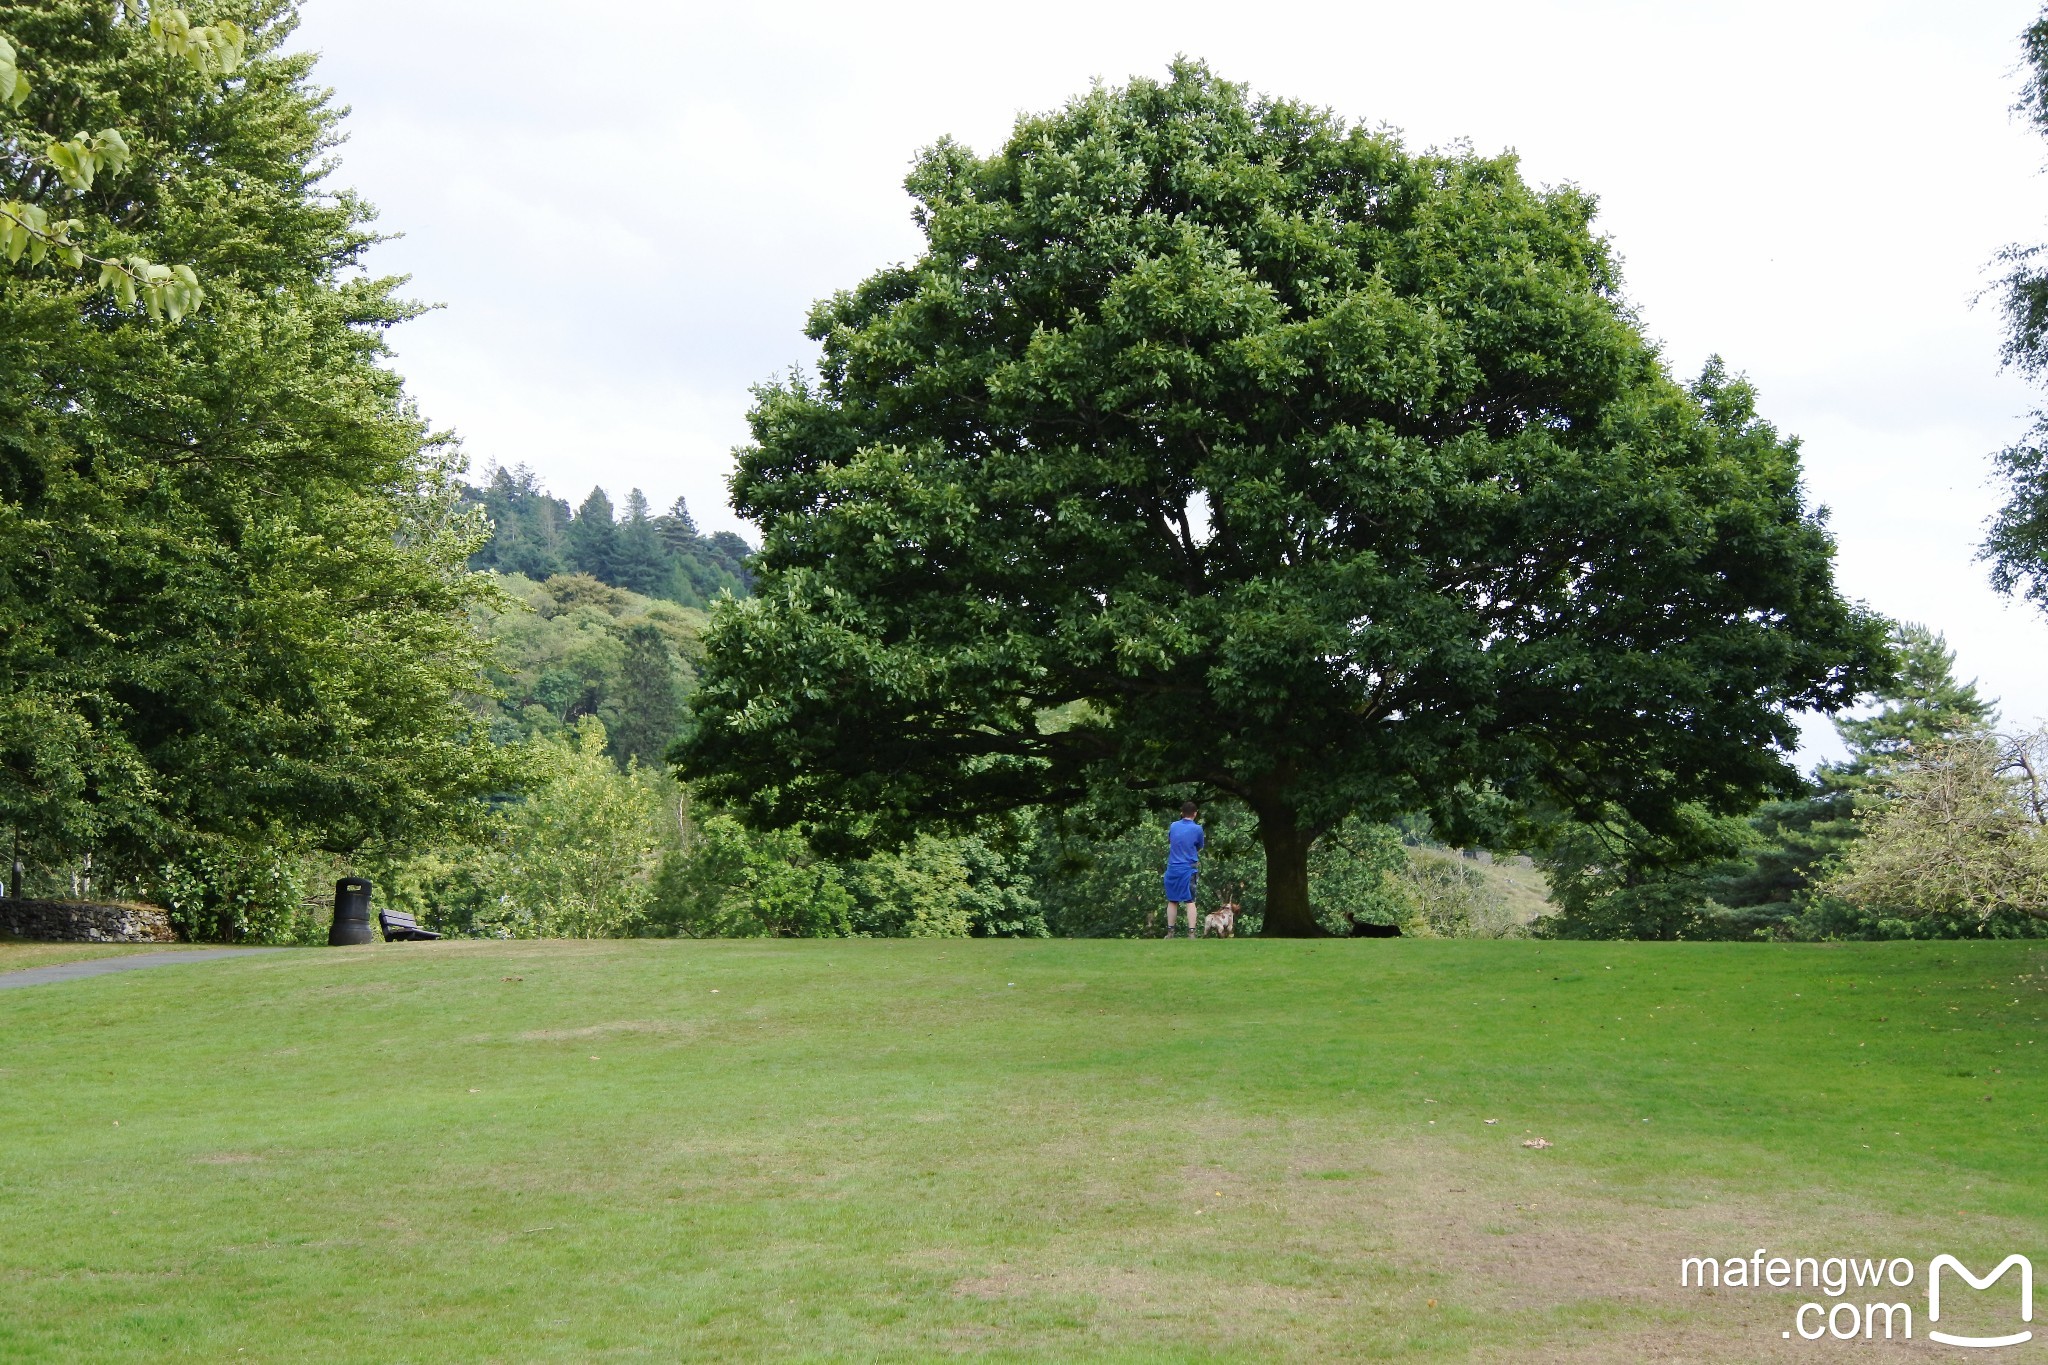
x,y
112,149
236,44
65,162
171,27
74,162
13,85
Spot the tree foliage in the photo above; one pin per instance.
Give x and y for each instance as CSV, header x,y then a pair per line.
x,y
1961,834
213,52
577,858
1769,874
1213,441
2016,546
1924,704
234,607
657,556
572,647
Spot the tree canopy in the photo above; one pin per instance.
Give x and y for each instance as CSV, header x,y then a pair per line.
x,y
1213,441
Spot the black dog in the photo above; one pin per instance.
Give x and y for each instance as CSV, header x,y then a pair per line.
x,y
1360,929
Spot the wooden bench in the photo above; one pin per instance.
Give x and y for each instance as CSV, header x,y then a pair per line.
x,y
399,927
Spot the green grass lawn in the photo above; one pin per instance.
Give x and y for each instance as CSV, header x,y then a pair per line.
x,y
1010,1150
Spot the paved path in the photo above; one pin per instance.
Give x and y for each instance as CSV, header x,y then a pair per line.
x,y
100,966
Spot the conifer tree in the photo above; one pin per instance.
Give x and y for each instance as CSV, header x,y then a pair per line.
x,y
1927,704
678,528
650,705
593,538
640,562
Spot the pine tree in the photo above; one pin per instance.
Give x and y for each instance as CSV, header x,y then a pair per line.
x,y
1927,705
678,529
526,535
593,537
639,562
535,534
650,705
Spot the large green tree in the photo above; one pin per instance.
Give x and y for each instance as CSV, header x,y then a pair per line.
x,y
1212,440
233,600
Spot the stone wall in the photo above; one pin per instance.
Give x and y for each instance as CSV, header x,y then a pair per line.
x,y
84,922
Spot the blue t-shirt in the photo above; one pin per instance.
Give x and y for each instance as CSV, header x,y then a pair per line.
x,y
1183,845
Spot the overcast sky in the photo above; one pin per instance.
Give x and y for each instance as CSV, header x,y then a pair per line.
x,y
627,209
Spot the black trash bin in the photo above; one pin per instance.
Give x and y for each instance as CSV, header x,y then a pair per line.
x,y
351,912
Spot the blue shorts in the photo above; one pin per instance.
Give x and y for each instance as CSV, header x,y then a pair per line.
x,y
1180,883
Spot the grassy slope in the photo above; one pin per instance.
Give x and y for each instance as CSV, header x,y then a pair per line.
x,y
887,1150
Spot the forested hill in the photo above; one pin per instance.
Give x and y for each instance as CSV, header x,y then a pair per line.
x,y
657,556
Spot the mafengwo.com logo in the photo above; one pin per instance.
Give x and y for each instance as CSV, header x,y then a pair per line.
x,y
1873,1299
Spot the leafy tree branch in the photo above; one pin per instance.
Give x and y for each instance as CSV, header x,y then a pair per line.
x,y
27,229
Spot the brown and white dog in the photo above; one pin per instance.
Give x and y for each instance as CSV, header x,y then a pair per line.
x,y
1223,921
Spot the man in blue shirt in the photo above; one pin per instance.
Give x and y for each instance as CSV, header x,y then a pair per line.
x,y
1183,850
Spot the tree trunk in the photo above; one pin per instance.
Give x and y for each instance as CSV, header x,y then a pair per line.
x,y
1287,909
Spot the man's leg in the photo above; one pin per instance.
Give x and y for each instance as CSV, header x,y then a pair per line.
x,y
1172,917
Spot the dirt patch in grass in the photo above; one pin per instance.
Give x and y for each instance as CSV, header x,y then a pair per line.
x,y
623,1026
1310,1243
1592,1271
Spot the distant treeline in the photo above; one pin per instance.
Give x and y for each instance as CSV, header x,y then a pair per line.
x,y
657,556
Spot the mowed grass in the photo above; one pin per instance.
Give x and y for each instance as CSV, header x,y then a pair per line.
x,y
1006,1150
